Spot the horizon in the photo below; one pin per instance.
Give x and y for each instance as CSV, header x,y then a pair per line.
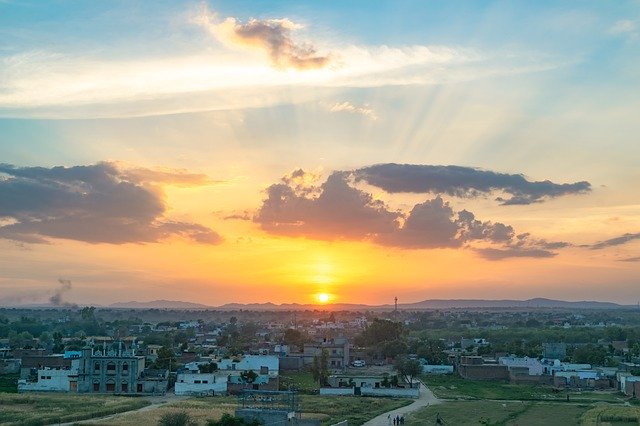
x,y
316,153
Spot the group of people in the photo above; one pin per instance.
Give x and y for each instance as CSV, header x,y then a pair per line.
x,y
397,420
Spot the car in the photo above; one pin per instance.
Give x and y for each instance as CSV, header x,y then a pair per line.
x,y
358,363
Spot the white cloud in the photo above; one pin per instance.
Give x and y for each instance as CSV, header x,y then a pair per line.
x,y
63,85
350,108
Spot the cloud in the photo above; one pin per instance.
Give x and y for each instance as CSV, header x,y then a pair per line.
x,y
350,108
623,239
626,27
631,259
337,210
208,75
100,203
464,182
510,252
273,36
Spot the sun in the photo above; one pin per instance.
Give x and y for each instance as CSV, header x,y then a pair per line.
x,y
323,297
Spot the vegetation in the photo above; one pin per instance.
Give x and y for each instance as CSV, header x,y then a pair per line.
x,y
229,420
9,383
499,413
408,368
356,410
178,418
320,368
302,381
454,387
41,409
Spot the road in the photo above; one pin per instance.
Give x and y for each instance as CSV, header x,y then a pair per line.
x,y
426,398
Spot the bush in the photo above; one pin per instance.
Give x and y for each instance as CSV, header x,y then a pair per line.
x,y
229,420
181,418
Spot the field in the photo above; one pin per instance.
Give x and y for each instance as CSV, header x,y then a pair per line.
x,y
611,415
39,409
9,383
302,381
329,410
453,387
500,413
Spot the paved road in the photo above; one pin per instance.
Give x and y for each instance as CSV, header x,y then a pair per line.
x,y
426,398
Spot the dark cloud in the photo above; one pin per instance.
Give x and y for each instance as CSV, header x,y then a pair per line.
x,y
463,182
510,252
623,239
100,203
631,259
337,210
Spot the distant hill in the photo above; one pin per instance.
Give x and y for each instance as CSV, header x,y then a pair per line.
x,y
423,305
160,304
529,303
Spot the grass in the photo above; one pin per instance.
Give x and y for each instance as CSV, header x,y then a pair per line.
x,y
455,387
328,409
40,409
499,413
200,410
301,381
357,410
9,383
611,415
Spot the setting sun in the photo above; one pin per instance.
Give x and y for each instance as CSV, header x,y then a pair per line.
x,y
323,297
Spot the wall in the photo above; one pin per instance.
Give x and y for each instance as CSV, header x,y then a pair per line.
x,y
484,372
336,391
392,392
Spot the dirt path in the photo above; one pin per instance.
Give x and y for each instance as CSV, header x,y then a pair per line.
x,y
426,398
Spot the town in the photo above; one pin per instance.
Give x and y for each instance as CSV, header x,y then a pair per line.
x,y
319,366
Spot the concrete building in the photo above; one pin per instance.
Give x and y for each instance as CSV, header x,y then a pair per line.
x,y
197,384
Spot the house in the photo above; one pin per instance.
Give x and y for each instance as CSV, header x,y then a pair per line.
x,y
197,384
338,349
266,367
51,380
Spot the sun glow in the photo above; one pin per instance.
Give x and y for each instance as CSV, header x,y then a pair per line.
x,y
323,297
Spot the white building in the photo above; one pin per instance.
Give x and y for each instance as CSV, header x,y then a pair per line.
x,y
51,380
261,364
201,384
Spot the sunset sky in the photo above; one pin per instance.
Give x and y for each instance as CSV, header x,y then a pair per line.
x,y
254,151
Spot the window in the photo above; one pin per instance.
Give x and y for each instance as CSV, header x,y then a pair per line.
x,y
42,377
96,366
197,382
111,367
205,381
96,386
125,367
124,387
111,387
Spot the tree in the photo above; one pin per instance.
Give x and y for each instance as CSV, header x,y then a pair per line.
x,y
208,368
248,376
166,358
293,337
408,368
320,368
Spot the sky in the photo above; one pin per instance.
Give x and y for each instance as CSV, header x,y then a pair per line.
x,y
276,151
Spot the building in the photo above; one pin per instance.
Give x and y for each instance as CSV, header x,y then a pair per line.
x,y
201,384
337,348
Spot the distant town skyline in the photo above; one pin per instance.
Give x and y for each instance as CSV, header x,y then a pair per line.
x,y
318,152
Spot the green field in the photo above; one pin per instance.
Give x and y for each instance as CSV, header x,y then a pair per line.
x,y
611,415
40,409
9,383
301,381
355,409
454,387
499,413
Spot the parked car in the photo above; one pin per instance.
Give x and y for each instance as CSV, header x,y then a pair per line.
x,y
358,363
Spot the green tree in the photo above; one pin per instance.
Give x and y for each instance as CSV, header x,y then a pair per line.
x,y
248,377
320,368
293,337
408,368
166,358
